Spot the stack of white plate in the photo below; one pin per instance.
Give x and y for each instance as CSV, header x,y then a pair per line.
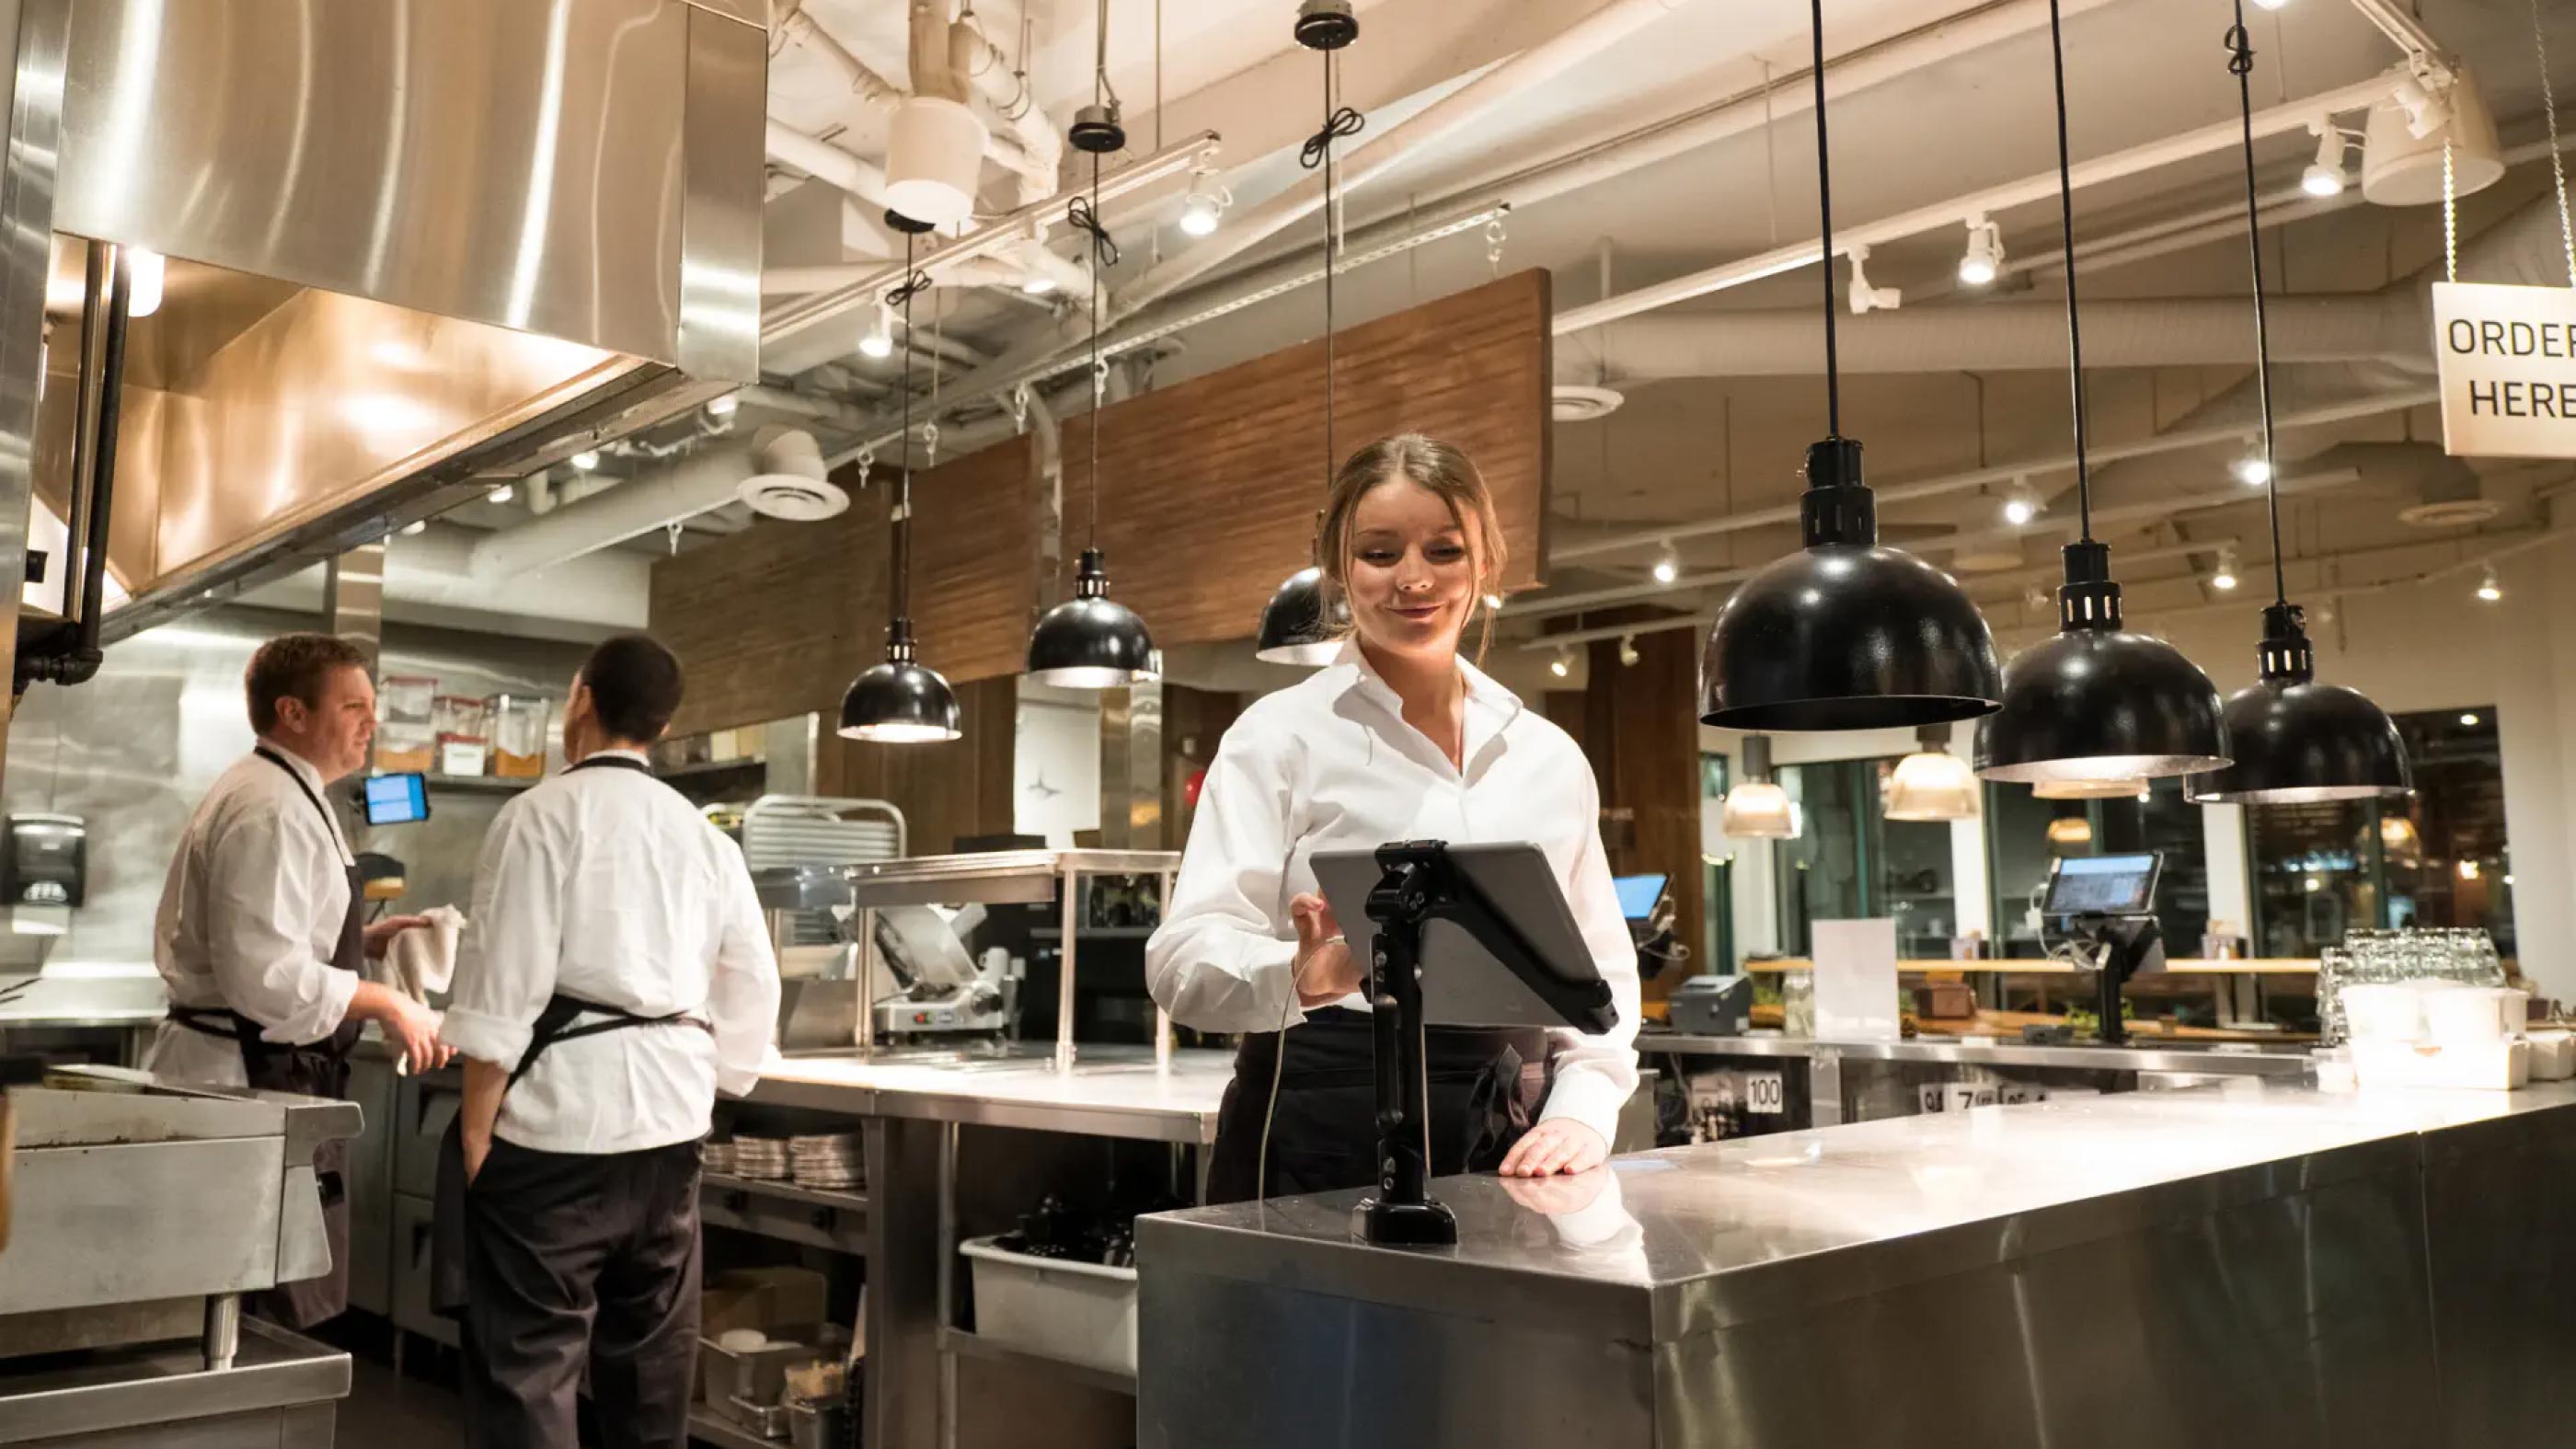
x,y
717,1157
763,1159
826,1163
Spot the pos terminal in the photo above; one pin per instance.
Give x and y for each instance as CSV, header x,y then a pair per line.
x,y
2108,904
1453,935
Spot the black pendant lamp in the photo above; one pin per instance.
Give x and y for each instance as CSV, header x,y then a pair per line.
x,y
2098,702
2295,740
1091,641
1306,618
1844,634
902,701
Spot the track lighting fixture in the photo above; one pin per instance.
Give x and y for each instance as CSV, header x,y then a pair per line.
x,y
2325,175
1204,207
879,341
1628,655
2271,4
2490,588
1865,298
1037,284
2021,505
415,528
1562,665
723,406
2253,470
587,460
1668,568
2225,576
1984,260
503,494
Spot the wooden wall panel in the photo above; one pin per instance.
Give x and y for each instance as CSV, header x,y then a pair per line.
x,y
776,620
974,585
1641,732
1213,484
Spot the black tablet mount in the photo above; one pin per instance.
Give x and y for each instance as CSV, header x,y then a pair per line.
x,y
1421,884
2121,946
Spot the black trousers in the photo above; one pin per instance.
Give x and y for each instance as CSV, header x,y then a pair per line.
x,y
574,1261
1485,1087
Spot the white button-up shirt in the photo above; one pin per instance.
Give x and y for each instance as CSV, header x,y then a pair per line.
x,y
608,885
250,917
1331,764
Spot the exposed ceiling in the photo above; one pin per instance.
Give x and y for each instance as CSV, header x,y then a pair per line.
x,y
1697,439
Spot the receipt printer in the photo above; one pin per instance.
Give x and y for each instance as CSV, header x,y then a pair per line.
x,y
1712,1005
46,862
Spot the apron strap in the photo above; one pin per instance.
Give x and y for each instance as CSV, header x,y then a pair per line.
x,y
555,1023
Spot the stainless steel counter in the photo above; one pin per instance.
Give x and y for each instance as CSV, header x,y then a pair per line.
x,y
2181,1060
2239,1265
82,1001
1112,1091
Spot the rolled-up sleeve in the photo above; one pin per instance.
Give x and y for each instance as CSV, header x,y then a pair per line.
x,y
267,886
742,1000
1223,960
1596,1074
513,941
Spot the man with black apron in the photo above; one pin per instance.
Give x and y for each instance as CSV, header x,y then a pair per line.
x,y
617,973
261,933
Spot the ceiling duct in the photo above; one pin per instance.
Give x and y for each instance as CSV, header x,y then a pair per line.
x,y
788,479
706,479
412,248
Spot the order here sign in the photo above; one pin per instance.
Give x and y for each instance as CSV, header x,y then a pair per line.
x,y
2507,357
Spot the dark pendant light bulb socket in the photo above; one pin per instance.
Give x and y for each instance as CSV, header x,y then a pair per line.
x,y
2096,702
1089,641
1844,634
2298,741
897,221
1096,130
1326,24
900,701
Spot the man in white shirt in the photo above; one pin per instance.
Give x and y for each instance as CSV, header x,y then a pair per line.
x,y
261,932
617,974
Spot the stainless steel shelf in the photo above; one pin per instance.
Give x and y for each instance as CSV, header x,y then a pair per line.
x,y
968,1345
710,1427
481,784
2207,1061
1002,877
834,1221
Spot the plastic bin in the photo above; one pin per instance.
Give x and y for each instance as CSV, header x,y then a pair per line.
x,y
1083,1313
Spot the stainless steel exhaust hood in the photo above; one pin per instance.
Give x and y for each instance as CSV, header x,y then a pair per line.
x,y
416,246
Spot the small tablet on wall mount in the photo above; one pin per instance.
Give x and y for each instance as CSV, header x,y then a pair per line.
x,y
396,799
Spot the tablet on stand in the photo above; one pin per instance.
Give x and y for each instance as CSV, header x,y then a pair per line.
x,y
1453,935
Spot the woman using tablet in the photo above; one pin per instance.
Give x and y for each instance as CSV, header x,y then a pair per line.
x,y
1398,739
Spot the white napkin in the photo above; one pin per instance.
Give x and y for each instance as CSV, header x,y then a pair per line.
x,y
424,960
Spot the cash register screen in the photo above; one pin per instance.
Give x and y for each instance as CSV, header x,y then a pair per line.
x,y
1638,894
2102,885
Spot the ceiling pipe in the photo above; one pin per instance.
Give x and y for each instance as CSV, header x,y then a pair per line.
x,y
1005,94
434,569
2012,336
827,163
2206,140
1895,493
704,480
1373,158
800,29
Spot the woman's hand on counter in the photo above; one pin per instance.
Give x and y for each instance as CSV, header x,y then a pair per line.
x,y
1557,1145
1325,970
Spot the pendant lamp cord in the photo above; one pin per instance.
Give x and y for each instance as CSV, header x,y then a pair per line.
x,y
1083,215
913,284
1825,215
2240,62
1318,151
2074,327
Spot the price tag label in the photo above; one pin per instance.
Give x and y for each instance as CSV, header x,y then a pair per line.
x,y
1764,1094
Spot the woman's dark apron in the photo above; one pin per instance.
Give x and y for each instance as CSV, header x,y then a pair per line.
x,y
447,1278
316,1069
1485,1087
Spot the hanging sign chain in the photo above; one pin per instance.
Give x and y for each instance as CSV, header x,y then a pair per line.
x,y
2450,217
2557,160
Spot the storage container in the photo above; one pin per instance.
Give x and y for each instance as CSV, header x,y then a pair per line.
x,y
1082,1313
519,724
405,699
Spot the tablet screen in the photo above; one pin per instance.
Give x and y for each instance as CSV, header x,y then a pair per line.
x,y
397,799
